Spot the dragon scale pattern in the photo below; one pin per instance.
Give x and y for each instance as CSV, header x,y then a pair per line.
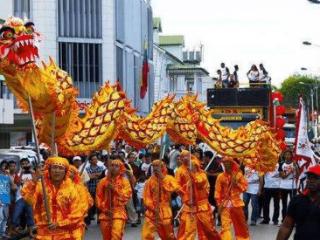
x,y
110,115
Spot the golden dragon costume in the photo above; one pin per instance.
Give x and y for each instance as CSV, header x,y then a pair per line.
x,y
110,115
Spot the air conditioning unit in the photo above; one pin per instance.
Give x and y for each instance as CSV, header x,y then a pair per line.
x,y
193,56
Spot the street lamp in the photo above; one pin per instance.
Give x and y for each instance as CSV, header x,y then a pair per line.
x,y
307,43
315,85
314,1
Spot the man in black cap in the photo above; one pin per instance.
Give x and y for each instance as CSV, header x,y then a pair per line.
x,y
304,211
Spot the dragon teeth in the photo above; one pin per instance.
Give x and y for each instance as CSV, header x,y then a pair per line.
x,y
5,53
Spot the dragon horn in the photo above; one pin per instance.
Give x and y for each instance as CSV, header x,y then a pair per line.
x,y
44,65
119,88
52,62
122,94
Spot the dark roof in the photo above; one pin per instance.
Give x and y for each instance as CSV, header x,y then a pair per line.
x,y
186,68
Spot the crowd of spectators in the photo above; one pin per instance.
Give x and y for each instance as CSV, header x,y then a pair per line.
x,y
257,77
16,215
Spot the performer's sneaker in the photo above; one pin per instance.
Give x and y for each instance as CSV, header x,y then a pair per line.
x,y
253,223
264,222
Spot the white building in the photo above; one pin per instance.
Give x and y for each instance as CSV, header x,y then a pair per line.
x,y
93,40
162,59
176,70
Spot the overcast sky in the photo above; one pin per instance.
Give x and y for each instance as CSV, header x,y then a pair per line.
x,y
245,32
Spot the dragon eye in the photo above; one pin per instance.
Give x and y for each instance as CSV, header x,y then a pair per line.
x,y
29,30
8,34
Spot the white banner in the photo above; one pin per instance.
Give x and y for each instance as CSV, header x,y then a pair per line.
x,y
302,145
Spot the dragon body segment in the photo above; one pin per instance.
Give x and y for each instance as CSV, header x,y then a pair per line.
x,y
254,144
110,114
139,132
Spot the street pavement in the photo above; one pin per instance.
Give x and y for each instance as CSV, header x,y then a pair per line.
x,y
259,232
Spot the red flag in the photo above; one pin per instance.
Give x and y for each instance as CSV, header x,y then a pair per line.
x,y
145,72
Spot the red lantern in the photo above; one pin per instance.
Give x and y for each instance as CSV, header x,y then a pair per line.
x,y
281,134
280,110
283,146
280,122
277,95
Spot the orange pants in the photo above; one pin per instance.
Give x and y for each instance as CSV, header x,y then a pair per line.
x,y
45,234
112,230
235,216
201,221
164,230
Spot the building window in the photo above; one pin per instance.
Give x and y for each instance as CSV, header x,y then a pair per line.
x,y
150,33
137,78
120,72
21,9
190,85
83,61
172,83
120,18
80,18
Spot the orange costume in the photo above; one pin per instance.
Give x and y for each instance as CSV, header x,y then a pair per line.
x,y
64,204
86,199
112,202
227,194
157,198
196,213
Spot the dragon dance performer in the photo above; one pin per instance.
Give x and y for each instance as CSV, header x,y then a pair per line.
x,y
113,192
196,213
64,202
86,199
157,198
229,186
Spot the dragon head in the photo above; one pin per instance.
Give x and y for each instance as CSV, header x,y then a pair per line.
x,y
18,41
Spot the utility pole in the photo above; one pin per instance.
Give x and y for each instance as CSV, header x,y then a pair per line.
x,y
313,120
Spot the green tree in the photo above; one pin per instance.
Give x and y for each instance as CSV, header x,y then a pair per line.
x,y
297,85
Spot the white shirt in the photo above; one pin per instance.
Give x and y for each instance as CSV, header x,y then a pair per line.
x,y
139,188
85,176
288,182
224,74
263,77
173,158
252,177
253,75
145,167
272,179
